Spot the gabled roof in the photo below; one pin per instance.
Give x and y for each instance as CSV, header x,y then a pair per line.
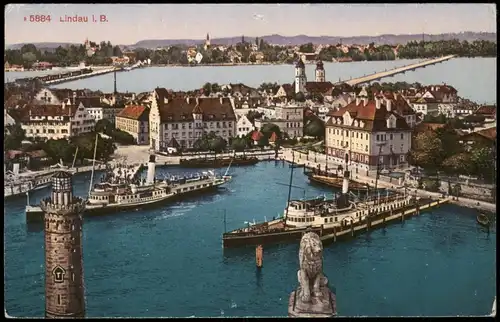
x,y
487,110
181,110
373,118
43,110
135,112
318,87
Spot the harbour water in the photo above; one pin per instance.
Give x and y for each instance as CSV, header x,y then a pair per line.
x,y
474,78
170,262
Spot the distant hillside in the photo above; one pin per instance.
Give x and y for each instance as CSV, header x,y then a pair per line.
x,y
303,39
295,40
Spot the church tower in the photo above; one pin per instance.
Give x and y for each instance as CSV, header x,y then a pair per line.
x,y
207,42
64,289
320,72
300,77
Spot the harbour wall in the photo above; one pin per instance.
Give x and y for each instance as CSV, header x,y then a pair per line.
x,y
395,184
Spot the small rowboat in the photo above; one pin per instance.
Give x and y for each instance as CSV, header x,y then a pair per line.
x,y
483,220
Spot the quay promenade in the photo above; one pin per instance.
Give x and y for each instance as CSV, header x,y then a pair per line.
x,y
392,72
321,160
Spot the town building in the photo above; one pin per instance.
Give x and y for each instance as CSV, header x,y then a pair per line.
x,y
57,96
243,126
288,117
370,132
485,137
320,72
300,77
54,121
98,109
63,225
187,119
134,119
488,111
425,106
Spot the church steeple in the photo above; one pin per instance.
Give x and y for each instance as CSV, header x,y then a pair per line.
x,y
207,42
320,72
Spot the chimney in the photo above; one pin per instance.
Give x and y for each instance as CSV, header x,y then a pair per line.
x,y
165,100
358,100
197,100
377,102
388,104
74,98
63,105
220,99
349,99
365,101
187,99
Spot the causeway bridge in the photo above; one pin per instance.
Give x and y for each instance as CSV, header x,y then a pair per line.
x,y
392,72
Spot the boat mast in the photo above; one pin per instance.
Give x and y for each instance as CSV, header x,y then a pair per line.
x,y
74,159
290,185
93,164
378,164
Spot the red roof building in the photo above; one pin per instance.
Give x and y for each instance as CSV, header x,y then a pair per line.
x,y
370,132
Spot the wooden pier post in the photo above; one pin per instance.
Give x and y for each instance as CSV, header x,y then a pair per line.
x,y
258,256
334,233
352,229
418,209
403,216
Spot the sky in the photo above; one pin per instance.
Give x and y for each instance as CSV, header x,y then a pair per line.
x,y
129,23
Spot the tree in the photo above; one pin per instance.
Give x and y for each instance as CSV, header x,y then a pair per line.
x,y
483,162
315,128
217,144
263,142
29,58
252,115
457,164
252,59
427,151
307,48
239,144
269,128
207,89
117,51
300,97
104,126
15,136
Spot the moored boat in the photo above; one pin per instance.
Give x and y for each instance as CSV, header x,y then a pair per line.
x,y
122,189
218,162
336,182
483,220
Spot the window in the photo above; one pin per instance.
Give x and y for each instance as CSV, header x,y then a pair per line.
x,y
402,136
390,136
402,158
58,299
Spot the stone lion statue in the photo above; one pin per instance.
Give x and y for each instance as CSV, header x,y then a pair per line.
x,y
311,278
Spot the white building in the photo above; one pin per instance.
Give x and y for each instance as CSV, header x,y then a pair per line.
x,y
300,77
243,126
98,109
55,121
370,133
185,120
426,106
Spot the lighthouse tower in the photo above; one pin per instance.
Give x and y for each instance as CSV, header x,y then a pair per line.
x,y
320,72
300,77
64,289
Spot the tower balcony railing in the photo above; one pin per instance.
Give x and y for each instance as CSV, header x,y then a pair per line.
x,y
76,205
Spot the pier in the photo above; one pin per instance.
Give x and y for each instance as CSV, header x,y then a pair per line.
x,y
365,225
390,73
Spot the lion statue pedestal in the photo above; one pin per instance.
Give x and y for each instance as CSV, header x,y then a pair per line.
x,y
312,298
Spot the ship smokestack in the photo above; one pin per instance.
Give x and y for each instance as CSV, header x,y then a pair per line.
x,y
345,182
151,170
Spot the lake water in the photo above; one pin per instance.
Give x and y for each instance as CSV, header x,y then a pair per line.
x,y
474,78
170,262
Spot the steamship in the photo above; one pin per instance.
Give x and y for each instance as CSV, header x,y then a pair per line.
x,y
319,215
122,188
